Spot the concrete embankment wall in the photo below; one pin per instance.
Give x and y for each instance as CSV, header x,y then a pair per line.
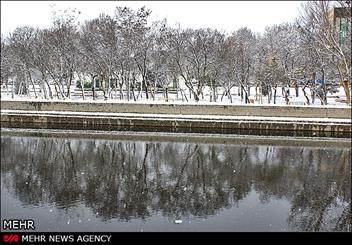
x,y
184,109
180,118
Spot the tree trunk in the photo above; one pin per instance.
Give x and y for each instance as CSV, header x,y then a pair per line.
x,y
214,93
128,89
49,89
212,87
132,90
286,97
176,89
196,98
13,89
43,90
230,96
167,94
223,94
183,95
121,91
82,87
305,94
151,93
261,92
313,96
140,93
246,99
33,85
69,86
27,85
18,91
103,86
155,92
312,87
324,87
347,91
93,86
145,87
56,90
117,86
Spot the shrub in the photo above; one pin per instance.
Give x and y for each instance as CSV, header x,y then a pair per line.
x,y
87,84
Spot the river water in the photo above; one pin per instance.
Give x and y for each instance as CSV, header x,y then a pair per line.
x,y
80,184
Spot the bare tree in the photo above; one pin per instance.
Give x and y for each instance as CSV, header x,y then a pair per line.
x,y
63,39
120,54
5,67
21,43
318,21
243,43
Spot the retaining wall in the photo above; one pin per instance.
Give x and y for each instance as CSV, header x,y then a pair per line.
x,y
184,109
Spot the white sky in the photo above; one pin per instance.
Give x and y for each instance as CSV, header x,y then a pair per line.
x,y
223,15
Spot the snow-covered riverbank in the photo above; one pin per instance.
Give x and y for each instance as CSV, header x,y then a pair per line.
x,y
336,99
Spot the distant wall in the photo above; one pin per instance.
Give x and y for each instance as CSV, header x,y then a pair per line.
x,y
189,109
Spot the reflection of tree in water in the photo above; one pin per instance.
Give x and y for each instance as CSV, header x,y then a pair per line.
x,y
323,203
123,179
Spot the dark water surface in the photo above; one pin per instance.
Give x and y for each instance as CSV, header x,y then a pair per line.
x,y
68,184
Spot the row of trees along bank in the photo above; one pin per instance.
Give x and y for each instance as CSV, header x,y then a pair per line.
x,y
126,57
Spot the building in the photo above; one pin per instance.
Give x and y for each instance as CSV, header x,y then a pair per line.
x,y
341,18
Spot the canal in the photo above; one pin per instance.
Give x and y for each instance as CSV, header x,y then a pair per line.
x,y
67,183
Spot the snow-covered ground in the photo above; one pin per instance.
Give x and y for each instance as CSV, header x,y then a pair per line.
x,y
336,99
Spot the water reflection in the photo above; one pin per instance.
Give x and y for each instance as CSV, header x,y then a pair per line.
x,y
179,129
125,180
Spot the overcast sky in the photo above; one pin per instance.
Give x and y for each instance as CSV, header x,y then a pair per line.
x,y
223,15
